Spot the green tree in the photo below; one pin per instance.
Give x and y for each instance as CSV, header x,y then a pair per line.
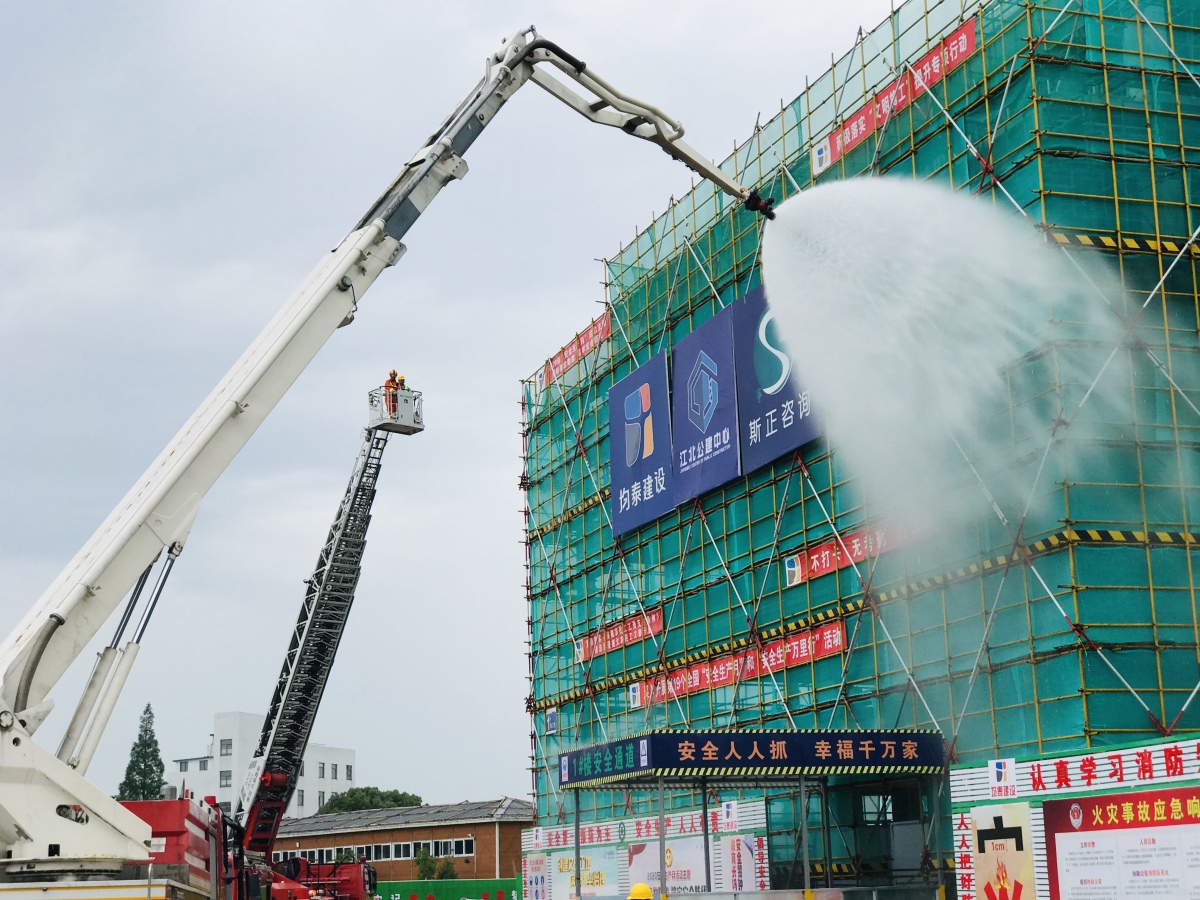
x,y
425,863
144,774
446,869
367,798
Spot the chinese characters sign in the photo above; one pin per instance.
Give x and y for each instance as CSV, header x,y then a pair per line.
x,y
639,439
580,347
761,753
1116,821
774,412
894,97
620,634
794,650
626,851
1129,845
829,556
704,408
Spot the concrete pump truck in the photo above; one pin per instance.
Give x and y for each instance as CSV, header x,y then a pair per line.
x,y
59,833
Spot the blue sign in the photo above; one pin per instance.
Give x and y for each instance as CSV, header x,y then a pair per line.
x,y
704,408
616,759
774,411
639,446
759,754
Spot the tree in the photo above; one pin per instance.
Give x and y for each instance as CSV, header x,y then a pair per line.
x,y
425,863
144,774
367,798
446,869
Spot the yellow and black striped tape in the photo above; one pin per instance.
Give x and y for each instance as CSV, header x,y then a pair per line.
x,y
1122,242
752,773
1041,548
577,510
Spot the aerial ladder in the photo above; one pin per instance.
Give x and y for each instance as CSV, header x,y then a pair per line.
x,y
271,778
53,822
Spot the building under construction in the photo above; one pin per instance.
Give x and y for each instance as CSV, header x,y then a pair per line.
x,y
1069,633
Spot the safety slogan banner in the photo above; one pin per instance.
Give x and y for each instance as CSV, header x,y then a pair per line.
x,y
736,668
639,438
623,633
598,867
774,412
704,409
894,97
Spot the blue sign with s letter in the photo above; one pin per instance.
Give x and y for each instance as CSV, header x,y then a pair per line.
x,y
774,410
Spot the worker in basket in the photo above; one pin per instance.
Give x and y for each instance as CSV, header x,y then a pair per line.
x,y
394,383
641,891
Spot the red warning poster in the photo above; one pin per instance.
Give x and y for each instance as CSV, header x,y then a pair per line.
x,y
1124,846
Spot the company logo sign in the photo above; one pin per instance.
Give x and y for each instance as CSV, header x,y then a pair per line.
x,y
639,426
1002,777
703,391
772,365
641,475
705,450
774,412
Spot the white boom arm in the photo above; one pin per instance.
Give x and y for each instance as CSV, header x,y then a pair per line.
x,y
40,794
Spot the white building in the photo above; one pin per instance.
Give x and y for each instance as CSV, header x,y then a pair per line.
x,y
219,773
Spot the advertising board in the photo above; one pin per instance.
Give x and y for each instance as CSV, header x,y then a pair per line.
x,y
599,878
639,429
704,409
1114,822
774,412
620,852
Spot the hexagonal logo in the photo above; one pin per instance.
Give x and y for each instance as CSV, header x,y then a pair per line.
x,y
702,391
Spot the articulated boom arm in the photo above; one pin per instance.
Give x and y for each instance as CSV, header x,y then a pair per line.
x,y
158,512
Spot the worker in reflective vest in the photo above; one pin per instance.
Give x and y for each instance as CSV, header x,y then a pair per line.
x,y
393,383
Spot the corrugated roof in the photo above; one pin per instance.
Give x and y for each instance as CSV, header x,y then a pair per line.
x,y
506,809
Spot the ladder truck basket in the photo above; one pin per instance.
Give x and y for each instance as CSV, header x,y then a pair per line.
x,y
400,411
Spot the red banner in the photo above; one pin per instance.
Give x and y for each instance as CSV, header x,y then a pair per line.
x,y
827,640
582,345
621,634
897,95
830,556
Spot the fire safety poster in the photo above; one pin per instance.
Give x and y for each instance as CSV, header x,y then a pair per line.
x,y
1002,841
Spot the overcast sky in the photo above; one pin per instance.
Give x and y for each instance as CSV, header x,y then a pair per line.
x,y
169,172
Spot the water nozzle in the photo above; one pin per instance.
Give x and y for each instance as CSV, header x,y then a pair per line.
x,y
757,204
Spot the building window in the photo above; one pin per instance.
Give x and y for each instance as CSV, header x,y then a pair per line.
x,y
227,746
349,772
204,765
320,770
224,808
333,771
226,778
418,846
443,848
383,851
320,799
360,852
299,798
403,851
183,765
464,847
276,856
301,768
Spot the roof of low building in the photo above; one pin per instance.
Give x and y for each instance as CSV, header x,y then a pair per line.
x,y
506,809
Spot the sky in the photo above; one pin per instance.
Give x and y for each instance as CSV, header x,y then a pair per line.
x,y
170,172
